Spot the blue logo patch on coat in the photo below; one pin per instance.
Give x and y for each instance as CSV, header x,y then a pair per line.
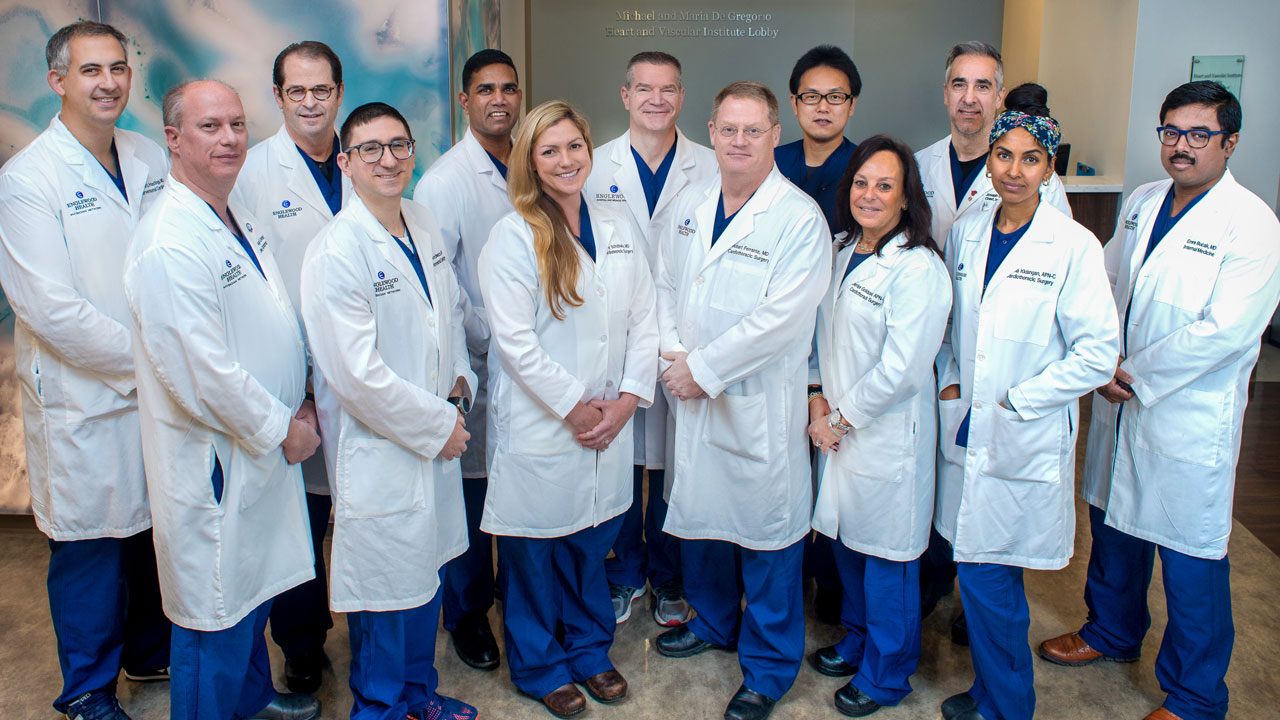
x,y
79,195
228,263
382,275
961,266
613,188
284,204
248,226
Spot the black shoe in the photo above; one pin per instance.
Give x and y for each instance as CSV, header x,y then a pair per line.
x,y
828,662
748,705
302,673
852,702
826,606
474,642
957,705
299,706
960,630
680,642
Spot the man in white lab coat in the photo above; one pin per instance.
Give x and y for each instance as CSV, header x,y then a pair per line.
x,y
466,190
68,205
955,182
221,367
1194,271
384,317
645,170
742,268
292,184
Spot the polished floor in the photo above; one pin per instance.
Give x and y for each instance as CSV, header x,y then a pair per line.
x,y
699,687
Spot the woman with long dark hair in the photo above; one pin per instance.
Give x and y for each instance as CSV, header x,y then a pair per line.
x,y
873,412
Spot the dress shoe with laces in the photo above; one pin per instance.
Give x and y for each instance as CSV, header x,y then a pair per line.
x,y
1072,651
748,704
606,687
853,702
303,672
474,642
565,701
828,662
290,706
680,642
956,705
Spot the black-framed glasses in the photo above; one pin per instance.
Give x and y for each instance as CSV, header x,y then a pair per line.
x,y
297,93
832,98
1195,138
371,152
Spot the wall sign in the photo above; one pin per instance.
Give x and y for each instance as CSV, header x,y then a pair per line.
x,y
1226,69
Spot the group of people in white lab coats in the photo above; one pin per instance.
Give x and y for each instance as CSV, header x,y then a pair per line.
x,y
545,330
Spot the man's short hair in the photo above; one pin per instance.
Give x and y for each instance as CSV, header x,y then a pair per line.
x,y
975,47
57,52
171,103
750,91
312,50
482,60
366,114
654,57
827,56
1211,93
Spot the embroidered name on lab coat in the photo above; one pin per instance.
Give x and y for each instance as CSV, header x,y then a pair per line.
x,y
619,248
82,204
1200,247
746,251
152,186
437,258
612,196
1043,277
385,285
262,244
687,228
287,209
1131,223
232,276
865,293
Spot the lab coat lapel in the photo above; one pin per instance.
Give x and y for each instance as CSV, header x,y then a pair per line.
x,y
1037,234
678,175
390,249
627,177
92,174
301,181
478,159
1204,215
744,223
134,172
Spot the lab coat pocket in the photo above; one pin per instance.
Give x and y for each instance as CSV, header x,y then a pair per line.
x,y
882,449
1187,426
1029,450
377,478
737,287
1026,319
950,415
739,424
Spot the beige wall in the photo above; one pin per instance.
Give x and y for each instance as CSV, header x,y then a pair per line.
x,y
1020,44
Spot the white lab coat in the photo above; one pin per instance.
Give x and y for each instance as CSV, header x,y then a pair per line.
x,y
935,171
278,188
1196,309
542,483
878,333
615,180
64,229
1043,335
385,359
467,195
221,368
744,310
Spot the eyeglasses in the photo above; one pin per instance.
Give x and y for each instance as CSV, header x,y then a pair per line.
x,y
1195,138
752,133
832,98
371,152
297,93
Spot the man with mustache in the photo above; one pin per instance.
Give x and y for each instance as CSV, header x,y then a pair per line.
x,y
645,169
68,205
1194,270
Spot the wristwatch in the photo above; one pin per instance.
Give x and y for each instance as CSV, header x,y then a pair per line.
x,y
837,423
462,402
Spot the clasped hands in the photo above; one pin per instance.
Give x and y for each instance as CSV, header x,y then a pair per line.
x,y
596,423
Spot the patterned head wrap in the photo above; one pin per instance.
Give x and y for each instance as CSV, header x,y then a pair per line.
x,y
1044,129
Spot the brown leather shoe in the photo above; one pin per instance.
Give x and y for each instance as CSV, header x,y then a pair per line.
x,y
607,687
1161,714
565,701
1072,651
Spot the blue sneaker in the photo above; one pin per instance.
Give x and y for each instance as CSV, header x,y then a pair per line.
x,y
96,705
442,707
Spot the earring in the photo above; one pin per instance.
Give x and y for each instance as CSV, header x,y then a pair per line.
x,y
1045,183
988,173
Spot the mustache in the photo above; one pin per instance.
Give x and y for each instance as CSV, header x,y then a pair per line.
x,y
1182,156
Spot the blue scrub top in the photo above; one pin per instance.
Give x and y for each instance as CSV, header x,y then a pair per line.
x,y
411,252
244,242
327,177
964,173
721,221
1165,221
117,178
502,169
854,261
819,183
587,239
651,181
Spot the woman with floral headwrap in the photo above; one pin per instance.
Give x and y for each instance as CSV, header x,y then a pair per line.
x,y
1033,327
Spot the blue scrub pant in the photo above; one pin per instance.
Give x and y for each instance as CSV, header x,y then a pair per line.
x,y
643,551
468,580
300,615
881,610
104,600
559,616
1196,647
221,674
392,661
769,633
995,605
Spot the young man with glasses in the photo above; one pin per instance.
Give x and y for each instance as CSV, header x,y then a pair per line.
x,y
741,272
1194,268
824,90
291,183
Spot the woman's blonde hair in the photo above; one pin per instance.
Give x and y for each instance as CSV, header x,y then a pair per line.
x,y
553,243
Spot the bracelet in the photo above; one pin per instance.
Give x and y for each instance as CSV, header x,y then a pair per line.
x,y
815,394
